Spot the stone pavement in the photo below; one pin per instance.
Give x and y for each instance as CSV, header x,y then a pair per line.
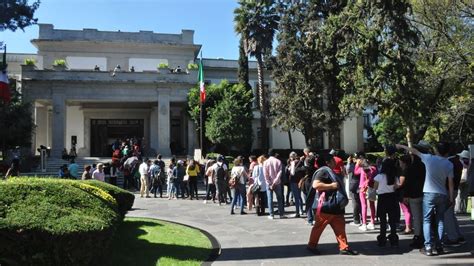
x,y
252,240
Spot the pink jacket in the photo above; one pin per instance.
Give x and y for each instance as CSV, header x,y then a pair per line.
x,y
366,178
272,171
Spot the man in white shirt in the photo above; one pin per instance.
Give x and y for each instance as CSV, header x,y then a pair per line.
x,y
143,170
436,198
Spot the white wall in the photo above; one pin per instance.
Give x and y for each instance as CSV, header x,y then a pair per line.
x,y
146,64
75,126
80,62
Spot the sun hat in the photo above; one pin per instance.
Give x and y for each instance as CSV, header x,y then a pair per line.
x,y
464,154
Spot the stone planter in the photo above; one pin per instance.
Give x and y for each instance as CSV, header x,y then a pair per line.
x,y
60,68
28,67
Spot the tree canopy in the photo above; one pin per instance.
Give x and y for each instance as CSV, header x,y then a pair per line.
x,y
17,14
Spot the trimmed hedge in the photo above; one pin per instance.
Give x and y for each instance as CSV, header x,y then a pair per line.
x,y
54,222
124,198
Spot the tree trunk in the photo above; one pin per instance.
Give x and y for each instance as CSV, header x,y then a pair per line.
x,y
290,139
262,103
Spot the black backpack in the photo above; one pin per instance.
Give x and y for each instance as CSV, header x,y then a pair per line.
x,y
219,172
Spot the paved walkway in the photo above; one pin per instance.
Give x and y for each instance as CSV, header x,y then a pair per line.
x,y
252,240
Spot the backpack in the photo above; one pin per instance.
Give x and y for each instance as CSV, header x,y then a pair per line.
x,y
234,180
219,172
331,201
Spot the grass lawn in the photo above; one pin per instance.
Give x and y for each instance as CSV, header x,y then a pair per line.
x,y
141,241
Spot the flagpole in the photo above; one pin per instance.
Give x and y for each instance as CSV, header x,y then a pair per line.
x,y
201,116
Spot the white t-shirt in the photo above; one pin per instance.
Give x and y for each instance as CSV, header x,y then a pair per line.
x,y
437,170
143,169
241,173
383,188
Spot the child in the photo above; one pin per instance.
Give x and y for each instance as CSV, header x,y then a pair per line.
x,y
386,183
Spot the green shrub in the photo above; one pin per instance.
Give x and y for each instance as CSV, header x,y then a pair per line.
x,y
124,198
163,65
54,222
193,66
59,62
30,62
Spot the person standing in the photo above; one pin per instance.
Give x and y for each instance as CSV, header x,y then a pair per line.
x,y
144,183
14,169
386,184
272,171
73,169
367,173
98,173
296,172
354,181
155,172
113,174
219,175
178,175
193,171
86,175
435,195
414,172
259,180
240,178
325,180
463,196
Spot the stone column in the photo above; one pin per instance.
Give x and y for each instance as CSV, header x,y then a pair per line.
x,y
41,122
164,122
59,124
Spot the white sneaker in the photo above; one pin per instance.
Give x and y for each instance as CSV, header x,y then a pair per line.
x,y
371,226
270,217
363,227
205,201
354,224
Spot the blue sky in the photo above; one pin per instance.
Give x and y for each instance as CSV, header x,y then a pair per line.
x,y
212,21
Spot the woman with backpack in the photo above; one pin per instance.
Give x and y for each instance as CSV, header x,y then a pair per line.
x,y
238,179
329,206
386,184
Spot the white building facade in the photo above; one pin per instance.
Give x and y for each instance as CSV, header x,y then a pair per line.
x,y
91,108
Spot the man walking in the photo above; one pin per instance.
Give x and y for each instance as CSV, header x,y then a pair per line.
x,y
436,198
272,172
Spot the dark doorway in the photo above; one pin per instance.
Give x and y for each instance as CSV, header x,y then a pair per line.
x,y
105,131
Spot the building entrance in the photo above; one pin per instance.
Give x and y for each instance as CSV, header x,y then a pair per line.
x,y
105,131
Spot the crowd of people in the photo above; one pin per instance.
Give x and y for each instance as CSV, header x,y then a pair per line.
x,y
421,182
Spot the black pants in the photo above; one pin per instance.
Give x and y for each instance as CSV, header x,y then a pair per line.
x,y
193,189
157,187
387,204
356,207
260,202
184,189
113,180
127,181
211,192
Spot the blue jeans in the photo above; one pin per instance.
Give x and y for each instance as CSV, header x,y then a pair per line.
x,y
279,196
297,195
239,195
434,204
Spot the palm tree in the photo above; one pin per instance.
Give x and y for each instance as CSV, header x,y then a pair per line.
x,y
257,22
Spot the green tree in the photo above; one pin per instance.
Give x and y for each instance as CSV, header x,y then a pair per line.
x,y
256,22
230,121
306,68
389,129
16,121
17,14
406,63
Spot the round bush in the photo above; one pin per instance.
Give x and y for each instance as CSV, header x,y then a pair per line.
x,y
54,222
124,198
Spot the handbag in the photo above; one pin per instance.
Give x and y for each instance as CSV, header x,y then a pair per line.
x,y
185,178
335,201
371,194
255,188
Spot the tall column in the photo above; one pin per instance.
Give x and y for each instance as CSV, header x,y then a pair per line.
x,y
164,122
59,124
41,122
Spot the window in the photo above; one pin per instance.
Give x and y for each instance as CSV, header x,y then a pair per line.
x,y
86,63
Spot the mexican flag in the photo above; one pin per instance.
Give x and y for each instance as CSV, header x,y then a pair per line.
x,y
202,87
5,94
